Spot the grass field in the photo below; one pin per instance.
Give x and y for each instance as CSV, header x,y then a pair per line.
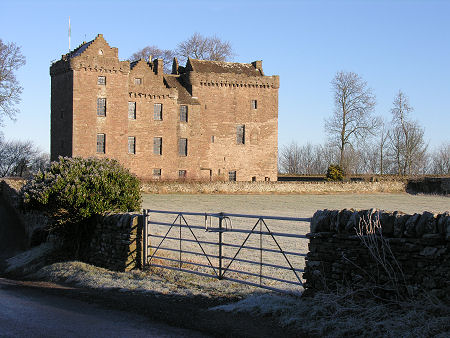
x,y
295,205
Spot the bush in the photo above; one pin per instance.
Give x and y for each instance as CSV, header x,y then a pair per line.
x,y
73,190
335,173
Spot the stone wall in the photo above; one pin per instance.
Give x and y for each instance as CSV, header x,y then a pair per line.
x,y
31,222
117,242
415,248
429,185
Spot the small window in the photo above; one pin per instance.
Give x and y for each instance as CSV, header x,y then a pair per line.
x,y
101,80
157,173
232,176
183,113
101,107
253,178
157,112
131,145
157,145
132,110
137,81
267,179
212,138
182,147
240,134
254,104
182,173
101,143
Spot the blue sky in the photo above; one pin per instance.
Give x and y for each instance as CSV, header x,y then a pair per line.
x,y
391,44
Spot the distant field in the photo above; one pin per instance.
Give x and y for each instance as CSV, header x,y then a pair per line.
x,y
275,205
295,205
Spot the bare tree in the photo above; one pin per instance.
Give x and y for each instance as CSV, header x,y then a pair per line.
x,y
20,158
152,52
441,160
289,159
11,59
352,117
307,159
406,138
384,136
204,48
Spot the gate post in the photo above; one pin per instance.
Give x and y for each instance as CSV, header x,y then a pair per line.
x,y
145,238
220,245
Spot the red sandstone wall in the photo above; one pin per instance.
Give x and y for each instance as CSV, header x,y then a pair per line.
x,y
226,103
216,112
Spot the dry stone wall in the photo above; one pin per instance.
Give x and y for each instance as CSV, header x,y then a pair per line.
x,y
415,249
429,185
31,222
116,243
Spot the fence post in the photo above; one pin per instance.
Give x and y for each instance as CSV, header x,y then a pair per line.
x,y
220,245
145,238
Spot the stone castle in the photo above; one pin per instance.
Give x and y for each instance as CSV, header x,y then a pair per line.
x,y
209,120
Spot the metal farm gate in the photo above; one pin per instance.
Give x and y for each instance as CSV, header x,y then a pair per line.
x,y
262,251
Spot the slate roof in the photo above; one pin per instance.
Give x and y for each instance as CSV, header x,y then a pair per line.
x,y
205,66
173,81
134,63
80,49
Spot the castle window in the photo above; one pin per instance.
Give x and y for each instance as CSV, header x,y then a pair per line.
x,y
157,112
101,107
232,176
157,145
182,173
240,134
131,145
182,147
137,81
183,113
157,173
132,110
101,143
101,80
212,138
254,104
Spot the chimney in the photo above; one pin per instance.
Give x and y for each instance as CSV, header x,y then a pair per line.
x,y
175,66
158,66
258,66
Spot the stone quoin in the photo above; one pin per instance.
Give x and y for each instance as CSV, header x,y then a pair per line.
x,y
209,120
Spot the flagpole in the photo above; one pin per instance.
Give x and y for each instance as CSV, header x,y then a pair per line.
x,y
69,34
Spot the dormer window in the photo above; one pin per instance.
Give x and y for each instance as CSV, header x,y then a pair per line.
x,y
137,81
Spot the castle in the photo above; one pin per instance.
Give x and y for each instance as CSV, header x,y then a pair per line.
x,y
208,120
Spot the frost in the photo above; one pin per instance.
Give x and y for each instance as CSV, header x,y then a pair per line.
x,y
25,258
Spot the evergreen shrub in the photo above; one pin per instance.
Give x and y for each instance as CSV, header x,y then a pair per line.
x,y
335,173
73,190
